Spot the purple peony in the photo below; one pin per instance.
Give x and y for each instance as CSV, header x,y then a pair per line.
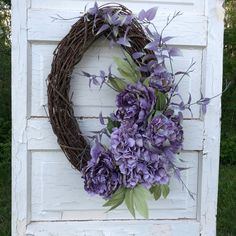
x,y
162,81
165,133
100,175
135,103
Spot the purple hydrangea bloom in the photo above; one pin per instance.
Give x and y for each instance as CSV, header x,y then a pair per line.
x,y
126,138
100,175
162,81
146,173
135,103
137,164
165,133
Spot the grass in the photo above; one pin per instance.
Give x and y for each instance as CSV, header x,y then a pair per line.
x,y
5,190
226,219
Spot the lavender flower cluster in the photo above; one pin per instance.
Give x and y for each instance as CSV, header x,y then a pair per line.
x,y
146,131
141,151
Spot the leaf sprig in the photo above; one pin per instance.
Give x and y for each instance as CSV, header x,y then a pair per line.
x,y
136,198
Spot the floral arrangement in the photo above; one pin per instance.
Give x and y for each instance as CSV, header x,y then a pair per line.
x,y
145,131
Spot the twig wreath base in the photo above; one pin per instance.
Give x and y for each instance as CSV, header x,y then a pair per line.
x,y
68,53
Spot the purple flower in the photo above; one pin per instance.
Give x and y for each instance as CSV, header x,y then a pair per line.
x,y
100,175
161,80
126,138
147,174
135,103
165,133
137,164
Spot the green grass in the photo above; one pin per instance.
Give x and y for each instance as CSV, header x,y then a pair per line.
x,y
226,217
5,190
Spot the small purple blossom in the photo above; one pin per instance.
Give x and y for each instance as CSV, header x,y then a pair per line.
x,y
100,175
135,103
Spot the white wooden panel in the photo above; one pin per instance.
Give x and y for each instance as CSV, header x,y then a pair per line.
x,y
116,228
58,194
90,101
41,137
45,188
194,7
212,72
20,174
43,26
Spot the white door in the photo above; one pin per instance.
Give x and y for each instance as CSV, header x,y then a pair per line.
x,y
48,196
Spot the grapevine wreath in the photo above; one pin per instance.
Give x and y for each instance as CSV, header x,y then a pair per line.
x,y
145,130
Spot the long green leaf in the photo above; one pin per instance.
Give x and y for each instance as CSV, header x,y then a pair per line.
x,y
128,69
118,203
129,201
117,83
161,101
142,191
140,202
156,191
165,190
116,197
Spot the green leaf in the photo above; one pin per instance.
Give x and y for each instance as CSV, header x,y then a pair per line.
x,y
140,202
117,83
129,76
133,65
129,201
116,199
165,190
112,124
127,68
118,195
161,101
142,191
146,82
118,203
156,191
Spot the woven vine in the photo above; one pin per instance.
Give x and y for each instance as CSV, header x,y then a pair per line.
x,y
68,53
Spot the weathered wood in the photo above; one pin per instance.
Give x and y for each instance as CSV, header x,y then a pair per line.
x,y
117,228
193,29
58,193
47,194
41,137
90,101
20,164
212,73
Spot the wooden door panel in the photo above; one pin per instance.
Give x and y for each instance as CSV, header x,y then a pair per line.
x,y
48,196
89,102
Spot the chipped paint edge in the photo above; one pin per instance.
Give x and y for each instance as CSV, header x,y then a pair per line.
x,y
212,75
20,163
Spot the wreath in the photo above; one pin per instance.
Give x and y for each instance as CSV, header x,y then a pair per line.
x,y
145,130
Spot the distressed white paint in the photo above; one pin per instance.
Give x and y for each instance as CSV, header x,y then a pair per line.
x,y
40,135
193,29
58,194
48,196
104,100
116,228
